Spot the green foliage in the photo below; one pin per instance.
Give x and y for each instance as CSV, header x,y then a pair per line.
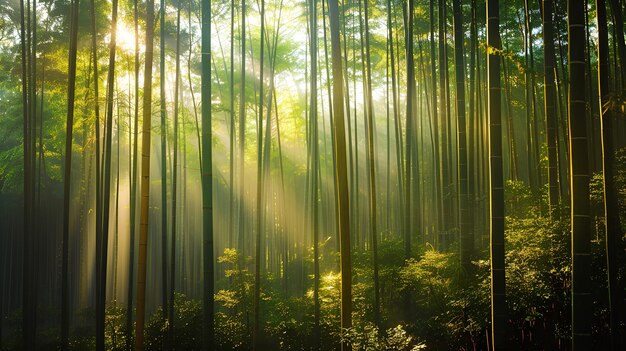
x,y
369,338
470,312
234,301
430,276
520,201
596,190
537,268
620,185
11,169
432,280
115,328
187,331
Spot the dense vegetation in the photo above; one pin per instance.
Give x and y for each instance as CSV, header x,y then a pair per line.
x,y
312,175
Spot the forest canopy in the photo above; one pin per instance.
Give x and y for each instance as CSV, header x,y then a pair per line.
x,y
312,175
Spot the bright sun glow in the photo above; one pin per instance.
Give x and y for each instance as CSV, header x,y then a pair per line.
x,y
126,37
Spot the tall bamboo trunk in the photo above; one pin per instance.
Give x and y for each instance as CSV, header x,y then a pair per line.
x,y
510,133
611,205
145,181
361,229
410,113
260,232
444,118
410,110
163,114
102,251
534,128
172,287
472,129
207,182
435,119
371,160
133,186
117,205
467,238
498,295
330,112
232,136
579,181
314,147
549,104
242,131
342,172
396,117
71,93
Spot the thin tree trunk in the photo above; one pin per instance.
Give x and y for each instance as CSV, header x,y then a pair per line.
x,y
33,129
85,154
410,98
272,97
562,85
423,98
618,20
355,185
28,303
483,147
388,140
533,136
193,95
40,168
528,89
284,230
330,106
184,225
513,168
33,147
98,205
594,145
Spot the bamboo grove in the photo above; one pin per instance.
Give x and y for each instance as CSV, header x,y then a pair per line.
x,y
312,175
